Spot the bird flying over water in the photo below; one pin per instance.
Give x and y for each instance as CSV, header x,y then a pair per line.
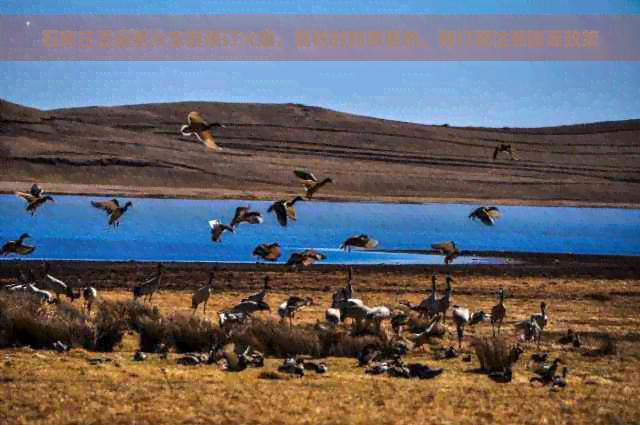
x,y
267,251
449,249
113,209
359,241
34,198
312,187
305,175
217,228
197,126
243,214
17,246
284,209
305,258
487,215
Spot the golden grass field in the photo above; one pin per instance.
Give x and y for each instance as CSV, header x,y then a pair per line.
x,y
46,387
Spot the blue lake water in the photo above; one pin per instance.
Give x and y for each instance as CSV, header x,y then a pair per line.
x,y
177,230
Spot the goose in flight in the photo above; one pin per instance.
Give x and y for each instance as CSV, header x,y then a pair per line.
x,y
359,241
217,228
17,246
113,209
197,126
267,251
449,249
244,215
487,215
34,198
284,210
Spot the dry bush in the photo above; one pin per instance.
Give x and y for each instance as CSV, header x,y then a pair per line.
x,y
114,318
25,320
190,333
274,338
494,354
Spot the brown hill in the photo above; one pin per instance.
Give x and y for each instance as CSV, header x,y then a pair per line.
x,y
137,150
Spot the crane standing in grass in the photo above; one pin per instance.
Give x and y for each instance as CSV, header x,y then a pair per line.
x,y
201,296
148,288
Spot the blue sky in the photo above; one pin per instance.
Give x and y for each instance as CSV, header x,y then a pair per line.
x,y
459,93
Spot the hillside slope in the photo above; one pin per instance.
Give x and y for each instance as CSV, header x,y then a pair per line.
x,y
137,150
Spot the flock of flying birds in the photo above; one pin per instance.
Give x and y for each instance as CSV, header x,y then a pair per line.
x,y
283,209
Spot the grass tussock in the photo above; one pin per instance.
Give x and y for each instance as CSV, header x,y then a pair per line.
x,y
114,318
26,321
494,354
274,338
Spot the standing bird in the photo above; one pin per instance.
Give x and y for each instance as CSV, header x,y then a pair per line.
x,y
113,209
305,258
197,126
546,373
259,296
284,210
498,312
541,318
449,249
34,198
89,294
462,317
268,252
359,241
217,228
504,148
202,295
149,287
311,187
243,214
289,308
17,246
487,215
304,175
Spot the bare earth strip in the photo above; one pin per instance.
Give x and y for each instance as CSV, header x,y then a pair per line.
x,y
137,151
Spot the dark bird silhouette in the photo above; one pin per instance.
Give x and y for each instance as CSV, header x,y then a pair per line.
x,y
449,250
268,252
17,246
197,126
487,215
113,209
311,187
359,241
284,210
245,215
305,258
217,228
504,148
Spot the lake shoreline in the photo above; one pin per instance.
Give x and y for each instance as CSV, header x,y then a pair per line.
x,y
190,275
10,187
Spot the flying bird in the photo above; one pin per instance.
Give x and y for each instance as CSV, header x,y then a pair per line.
x,y
305,175
284,210
305,258
113,209
17,246
34,198
487,215
197,126
243,214
217,228
449,249
311,187
359,241
267,251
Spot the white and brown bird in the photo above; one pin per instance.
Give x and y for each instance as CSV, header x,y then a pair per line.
x,y
17,246
217,228
35,198
200,128
267,251
113,209
284,210
361,241
245,215
449,249
289,308
486,215
305,258
498,312
504,147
